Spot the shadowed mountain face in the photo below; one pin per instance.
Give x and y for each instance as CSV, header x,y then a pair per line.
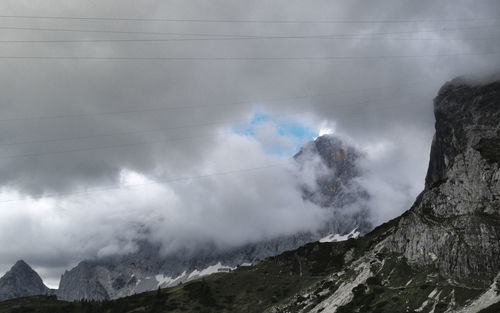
x,y
21,281
333,188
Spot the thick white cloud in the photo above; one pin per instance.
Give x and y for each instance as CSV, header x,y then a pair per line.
x,y
231,208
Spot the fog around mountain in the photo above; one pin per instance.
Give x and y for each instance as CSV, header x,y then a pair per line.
x,y
99,153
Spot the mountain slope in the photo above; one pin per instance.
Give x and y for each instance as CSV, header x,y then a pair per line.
x,y
21,281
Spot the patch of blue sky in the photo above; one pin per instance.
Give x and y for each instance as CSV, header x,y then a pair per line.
x,y
289,130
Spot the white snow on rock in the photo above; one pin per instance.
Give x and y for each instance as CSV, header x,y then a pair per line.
x,y
167,281
337,237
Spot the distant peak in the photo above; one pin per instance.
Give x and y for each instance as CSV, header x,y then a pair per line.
x,y
21,265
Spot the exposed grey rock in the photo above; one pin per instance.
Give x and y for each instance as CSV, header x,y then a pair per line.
x,y
82,282
22,281
455,222
121,276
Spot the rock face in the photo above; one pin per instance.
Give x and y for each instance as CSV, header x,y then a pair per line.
x,y
334,190
21,281
454,224
82,283
337,189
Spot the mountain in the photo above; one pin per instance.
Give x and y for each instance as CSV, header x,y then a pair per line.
x,y
334,189
21,281
442,255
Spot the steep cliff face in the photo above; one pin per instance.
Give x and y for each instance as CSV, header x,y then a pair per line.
x,y
454,224
21,281
334,189
442,255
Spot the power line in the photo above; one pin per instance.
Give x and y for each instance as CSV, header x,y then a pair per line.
x,y
235,35
299,58
243,39
154,109
166,140
189,126
251,21
147,131
162,181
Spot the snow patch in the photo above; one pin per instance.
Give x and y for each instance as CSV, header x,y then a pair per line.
x,y
209,270
168,281
337,237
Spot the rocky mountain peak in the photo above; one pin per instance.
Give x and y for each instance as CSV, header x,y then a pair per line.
x,y
466,122
21,281
21,266
333,151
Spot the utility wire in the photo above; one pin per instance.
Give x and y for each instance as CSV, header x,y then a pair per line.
x,y
155,109
25,155
52,140
251,21
161,181
236,35
298,58
243,39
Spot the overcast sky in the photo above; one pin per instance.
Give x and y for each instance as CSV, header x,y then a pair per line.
x,y
183,124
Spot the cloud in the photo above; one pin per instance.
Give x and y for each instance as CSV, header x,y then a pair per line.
x,y
228,209
73,125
